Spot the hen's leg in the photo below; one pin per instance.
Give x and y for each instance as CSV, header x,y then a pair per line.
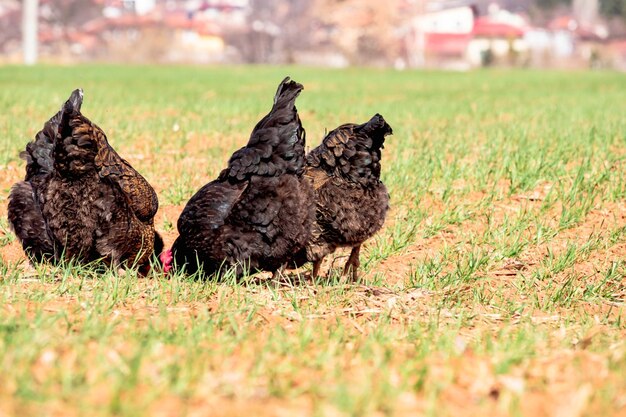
x,y
117,264
28,222
316,268
277,274
353,263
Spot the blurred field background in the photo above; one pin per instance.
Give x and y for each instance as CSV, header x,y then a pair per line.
x,y
495,288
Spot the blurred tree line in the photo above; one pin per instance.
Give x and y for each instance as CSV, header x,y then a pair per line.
x,y
612,8
608,8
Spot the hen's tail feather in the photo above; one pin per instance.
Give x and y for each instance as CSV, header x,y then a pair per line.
x,y
284,105
70,108
376,125
276,145
38,153
75,101
287,92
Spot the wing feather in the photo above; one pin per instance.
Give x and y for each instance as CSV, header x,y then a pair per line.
x,y
140,195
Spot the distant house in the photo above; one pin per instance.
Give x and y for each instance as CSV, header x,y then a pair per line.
x,y
458,38
498,37
565,42
577,41
227,12
439,38
586,32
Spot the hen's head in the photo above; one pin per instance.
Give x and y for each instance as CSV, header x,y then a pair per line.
x,y
167,260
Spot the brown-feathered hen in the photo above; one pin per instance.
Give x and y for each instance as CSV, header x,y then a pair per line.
x,y
351,201
80,200
258,212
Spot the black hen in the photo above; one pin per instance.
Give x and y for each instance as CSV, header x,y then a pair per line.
x,y
351,201
79,199
258,212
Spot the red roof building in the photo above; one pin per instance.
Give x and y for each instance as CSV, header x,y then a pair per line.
x,y
487,27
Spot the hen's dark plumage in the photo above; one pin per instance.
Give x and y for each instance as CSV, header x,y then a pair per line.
x,y
257,213
80,200
351,201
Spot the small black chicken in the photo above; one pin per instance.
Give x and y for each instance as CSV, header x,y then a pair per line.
x,y
80,200
258,212
351,201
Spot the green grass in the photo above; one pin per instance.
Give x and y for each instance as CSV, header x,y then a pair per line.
x,y
496,287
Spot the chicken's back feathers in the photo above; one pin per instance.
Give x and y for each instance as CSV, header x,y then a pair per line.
x,y
351,152
276,145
